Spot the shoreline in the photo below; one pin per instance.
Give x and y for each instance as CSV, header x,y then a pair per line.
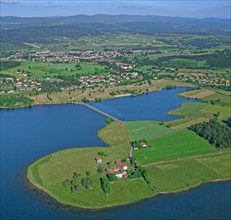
x,y
112,97
46,194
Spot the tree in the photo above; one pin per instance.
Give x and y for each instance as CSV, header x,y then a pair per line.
x,y
87,183
100,170
105,184
109,120
76,175
111,177
88,173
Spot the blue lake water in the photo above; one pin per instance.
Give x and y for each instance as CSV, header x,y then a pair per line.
x,y
30,133
151,106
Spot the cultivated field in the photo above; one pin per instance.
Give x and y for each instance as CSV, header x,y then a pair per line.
x,y
173,146
137,130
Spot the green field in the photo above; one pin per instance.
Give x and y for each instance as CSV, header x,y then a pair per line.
x,y
180,175
173,146
137,130
220,98
41,70
197,112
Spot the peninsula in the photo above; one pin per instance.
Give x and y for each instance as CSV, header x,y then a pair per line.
x,y
143,159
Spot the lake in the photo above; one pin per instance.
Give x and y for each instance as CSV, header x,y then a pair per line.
x,y
30,133
150,106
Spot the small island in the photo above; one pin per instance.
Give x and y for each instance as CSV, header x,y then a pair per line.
x,y
144,158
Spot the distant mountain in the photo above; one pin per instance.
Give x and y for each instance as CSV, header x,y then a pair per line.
x,y
218,20
42,29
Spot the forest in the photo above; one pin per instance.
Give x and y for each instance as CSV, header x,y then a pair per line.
x,y
215,132
11,101
4,65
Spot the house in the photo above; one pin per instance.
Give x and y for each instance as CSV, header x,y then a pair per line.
x,y
110,170
122,165
142,144
120,174
98,160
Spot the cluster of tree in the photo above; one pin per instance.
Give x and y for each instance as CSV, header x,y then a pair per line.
x,y
72,184
109,120
138,172
101,153
67,81
100,169
215,132
216,59
111,177
228,122
170,87
13,100
105,184
4,76
86,183
84,99
4,65
98,99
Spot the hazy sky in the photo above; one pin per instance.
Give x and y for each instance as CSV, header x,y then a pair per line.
x,y
181,8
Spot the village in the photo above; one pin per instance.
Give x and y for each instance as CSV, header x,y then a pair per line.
x,y
118,72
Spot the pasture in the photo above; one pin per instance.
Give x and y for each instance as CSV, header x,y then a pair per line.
x,y
137,130
173,146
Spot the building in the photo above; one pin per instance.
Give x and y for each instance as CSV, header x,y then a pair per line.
x,y
121,165
98,160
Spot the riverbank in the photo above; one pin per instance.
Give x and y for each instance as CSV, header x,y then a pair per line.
x,y
48,173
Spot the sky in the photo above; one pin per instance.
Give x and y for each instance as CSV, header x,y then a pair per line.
x,y
180,8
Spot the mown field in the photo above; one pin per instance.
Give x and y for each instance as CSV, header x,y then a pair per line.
x,y
173,146
138,130
197,112
219,97
180,175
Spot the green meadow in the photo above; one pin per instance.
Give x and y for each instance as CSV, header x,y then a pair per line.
x,y
193,113
137,130
173,146
41,70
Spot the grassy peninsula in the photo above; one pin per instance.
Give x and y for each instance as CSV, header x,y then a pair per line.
x,y
175,159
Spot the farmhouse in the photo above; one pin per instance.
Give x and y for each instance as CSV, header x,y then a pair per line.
x,y
121,174
142,144
98,160
121,165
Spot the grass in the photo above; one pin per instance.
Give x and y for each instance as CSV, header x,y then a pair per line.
x,y
210,95
137,130
180,175
197,112
48,173
224,99
42,70
173,146
200,94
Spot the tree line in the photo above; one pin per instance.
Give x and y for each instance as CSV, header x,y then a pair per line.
x,y
12,101
215,132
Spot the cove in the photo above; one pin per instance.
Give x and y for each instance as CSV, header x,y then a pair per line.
x,y
30,133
